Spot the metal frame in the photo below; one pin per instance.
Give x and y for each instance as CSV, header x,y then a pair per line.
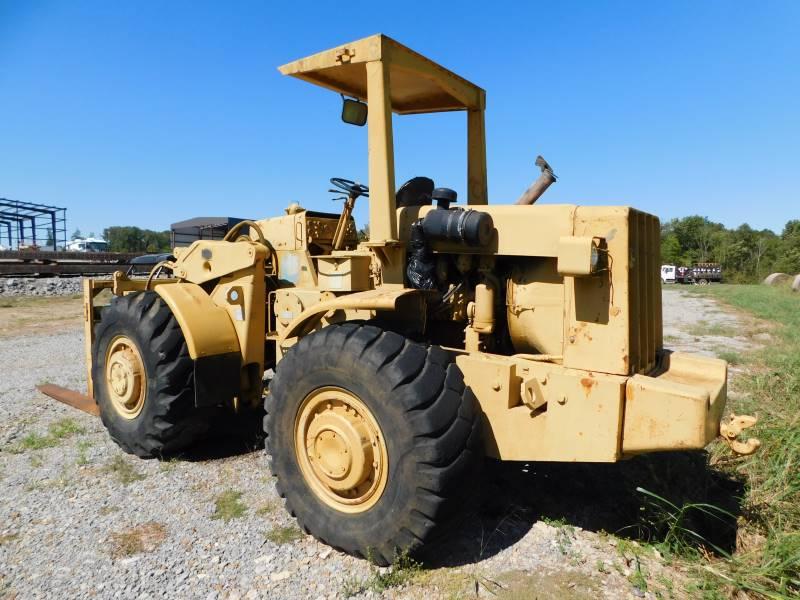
x,y
364,69
32,222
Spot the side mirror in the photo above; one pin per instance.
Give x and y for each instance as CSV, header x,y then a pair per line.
x,y
354,112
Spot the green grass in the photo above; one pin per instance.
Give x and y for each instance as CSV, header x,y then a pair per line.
x,y
284,535
228,505
733,357
704,328
403,571
83,447
124,471
769,563
268,508
58,431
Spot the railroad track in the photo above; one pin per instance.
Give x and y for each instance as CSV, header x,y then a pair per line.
x,y
37,263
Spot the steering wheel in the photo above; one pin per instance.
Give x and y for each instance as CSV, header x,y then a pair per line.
x,y
353,189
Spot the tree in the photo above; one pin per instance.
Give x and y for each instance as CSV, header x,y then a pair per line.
x,y
134,239
75,234
671,250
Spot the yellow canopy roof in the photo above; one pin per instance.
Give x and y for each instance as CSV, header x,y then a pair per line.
x,y
418,85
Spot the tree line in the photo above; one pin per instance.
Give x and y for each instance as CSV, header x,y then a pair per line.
x,y
746,254
134,239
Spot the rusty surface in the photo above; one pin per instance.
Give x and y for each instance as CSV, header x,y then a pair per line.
x,y
30,269
539,187
70,398
81,257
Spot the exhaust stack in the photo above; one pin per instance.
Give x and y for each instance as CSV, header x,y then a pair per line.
x,y
539,187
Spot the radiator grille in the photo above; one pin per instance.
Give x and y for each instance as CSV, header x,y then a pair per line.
x,y
644,287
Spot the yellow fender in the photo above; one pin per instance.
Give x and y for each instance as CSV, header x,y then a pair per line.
x,y
380,299
207,327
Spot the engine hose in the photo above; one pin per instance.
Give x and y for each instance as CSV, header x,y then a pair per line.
x,y
235,229
261,239
158,266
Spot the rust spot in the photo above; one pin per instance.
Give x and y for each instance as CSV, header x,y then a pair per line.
x,y
588,383
615,311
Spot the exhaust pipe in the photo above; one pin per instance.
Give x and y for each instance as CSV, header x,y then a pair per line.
x,y
539,187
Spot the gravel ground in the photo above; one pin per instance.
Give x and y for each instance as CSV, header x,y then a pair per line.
x,y
49,286
79,518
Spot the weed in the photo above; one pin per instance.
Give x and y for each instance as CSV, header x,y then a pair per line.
x,y
678,537
704,328
34,441
143,538
284,535
630,552
267,508
124,471
64,428
36,461
561,522
83,446
228,506
167,465
353,586
57,431
5,538
403,571
564,540
666,583
638,578
733,357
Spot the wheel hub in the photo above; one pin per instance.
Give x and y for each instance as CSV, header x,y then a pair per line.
x,y
125,377
340,449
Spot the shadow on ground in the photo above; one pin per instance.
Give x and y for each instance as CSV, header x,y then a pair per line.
x,y
511,496
236,435
594,497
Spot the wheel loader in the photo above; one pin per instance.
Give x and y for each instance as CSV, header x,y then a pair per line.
x,y
387,369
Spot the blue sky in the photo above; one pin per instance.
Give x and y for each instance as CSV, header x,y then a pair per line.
x,y
144,113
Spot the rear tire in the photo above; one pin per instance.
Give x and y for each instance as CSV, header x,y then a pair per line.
x,y
159,418
413,404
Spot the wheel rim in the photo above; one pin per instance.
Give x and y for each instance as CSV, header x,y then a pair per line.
x,y
125,377
341,450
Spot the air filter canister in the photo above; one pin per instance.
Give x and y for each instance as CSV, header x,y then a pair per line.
x,y
469,227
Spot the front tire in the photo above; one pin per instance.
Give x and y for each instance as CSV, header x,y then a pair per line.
x,y
371,437
143,380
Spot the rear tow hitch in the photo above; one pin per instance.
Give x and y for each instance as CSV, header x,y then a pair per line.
x,y
731,429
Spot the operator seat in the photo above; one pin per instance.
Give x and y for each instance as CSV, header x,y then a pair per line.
x,y
415,192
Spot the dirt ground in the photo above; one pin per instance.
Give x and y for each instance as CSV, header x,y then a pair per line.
x,y
78,518
33,315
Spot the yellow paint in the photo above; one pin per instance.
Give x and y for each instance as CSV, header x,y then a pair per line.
x,y
341,450
207,327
